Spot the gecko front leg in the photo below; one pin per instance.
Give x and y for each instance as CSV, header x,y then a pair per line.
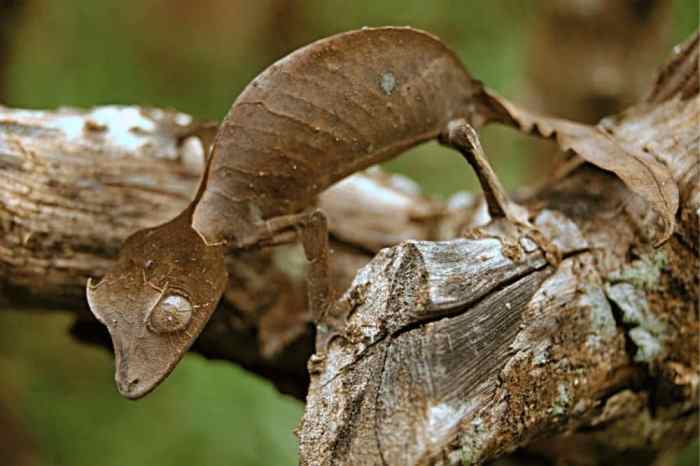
x,y
312,229
314,238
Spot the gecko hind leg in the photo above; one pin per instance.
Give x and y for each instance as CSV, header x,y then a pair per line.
x,y
312,229
461,136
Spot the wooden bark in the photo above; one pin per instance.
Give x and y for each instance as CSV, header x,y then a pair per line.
x,y
448,351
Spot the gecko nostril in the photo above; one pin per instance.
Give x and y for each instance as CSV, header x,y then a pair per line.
x,y
134,382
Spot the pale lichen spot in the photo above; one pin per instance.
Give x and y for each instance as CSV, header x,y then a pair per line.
x,y
648,331
388,83
563,401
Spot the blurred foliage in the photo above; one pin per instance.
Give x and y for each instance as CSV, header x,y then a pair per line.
x,y
208,412
196,57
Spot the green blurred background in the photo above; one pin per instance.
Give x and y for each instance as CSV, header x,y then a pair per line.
x,y
58,404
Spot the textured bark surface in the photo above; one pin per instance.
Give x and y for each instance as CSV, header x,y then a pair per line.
x,y
448,351
459,351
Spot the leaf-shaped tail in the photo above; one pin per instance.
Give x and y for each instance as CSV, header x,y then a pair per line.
x,y
638,169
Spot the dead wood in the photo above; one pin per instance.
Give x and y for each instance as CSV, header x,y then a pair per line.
x,y
448,351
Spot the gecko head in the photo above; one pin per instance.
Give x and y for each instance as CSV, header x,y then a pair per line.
x,y
156,300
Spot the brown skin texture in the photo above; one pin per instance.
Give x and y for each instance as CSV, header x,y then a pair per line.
x,y
328,110
300,126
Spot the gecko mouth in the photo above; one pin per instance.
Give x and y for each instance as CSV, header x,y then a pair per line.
x,y
142,364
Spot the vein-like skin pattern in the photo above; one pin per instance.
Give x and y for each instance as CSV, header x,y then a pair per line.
x,y
322,113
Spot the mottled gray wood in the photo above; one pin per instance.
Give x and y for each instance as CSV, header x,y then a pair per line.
x,y
570,325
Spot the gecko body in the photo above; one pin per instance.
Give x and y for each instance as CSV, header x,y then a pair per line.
x,y
326,111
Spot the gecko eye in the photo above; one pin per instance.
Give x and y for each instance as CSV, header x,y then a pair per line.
x,y
171,314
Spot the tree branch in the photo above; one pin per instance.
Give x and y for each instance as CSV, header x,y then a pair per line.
x,y
448,351
74,184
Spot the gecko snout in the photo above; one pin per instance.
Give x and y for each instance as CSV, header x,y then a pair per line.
x,y
132,387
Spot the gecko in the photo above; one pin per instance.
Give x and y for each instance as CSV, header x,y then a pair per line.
x,y
320,114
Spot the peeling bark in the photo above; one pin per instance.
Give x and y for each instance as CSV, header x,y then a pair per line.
x,y
447,351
